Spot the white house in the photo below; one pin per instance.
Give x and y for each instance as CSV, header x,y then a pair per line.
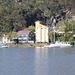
x,y
5,40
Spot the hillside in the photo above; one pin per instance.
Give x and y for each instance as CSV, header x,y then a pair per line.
x,y
19,14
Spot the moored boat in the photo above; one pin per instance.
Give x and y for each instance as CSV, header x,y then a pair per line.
x,y
66,44
52,45
3,46
60,44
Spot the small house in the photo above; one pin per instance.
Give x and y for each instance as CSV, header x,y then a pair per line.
x,y
5,40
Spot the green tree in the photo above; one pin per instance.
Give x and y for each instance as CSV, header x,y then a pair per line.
x,y
31,28
66,36
68,27
74,28
61,38
1,35
71,39
51,36
12,35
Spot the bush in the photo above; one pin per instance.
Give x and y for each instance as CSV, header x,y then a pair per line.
x,y
71,39
61,38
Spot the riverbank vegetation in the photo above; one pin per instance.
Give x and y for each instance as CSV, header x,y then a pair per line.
x,y
26,45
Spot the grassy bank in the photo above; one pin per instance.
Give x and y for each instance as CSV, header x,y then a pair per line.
x,y
74,44
26,45
29,45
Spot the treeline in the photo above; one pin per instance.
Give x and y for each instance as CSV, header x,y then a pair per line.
x,y
16,15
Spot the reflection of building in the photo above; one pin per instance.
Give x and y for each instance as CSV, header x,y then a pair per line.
x,y
26,36
41,32
41,61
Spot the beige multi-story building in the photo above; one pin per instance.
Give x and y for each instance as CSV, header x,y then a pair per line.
x,y
41,32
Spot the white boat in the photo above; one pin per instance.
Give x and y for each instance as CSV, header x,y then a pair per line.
x,y
52,45
3,46
60,44
66,44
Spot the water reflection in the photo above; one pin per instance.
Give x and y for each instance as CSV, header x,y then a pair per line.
x,y
54,61
41,61
37,61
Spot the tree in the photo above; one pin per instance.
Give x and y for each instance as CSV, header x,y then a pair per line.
x,y
12,35
68,27
74,28
1,35
71,39
51,36
66,36
31,28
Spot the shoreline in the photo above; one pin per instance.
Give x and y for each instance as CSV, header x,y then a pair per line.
x,y
25,45
28,45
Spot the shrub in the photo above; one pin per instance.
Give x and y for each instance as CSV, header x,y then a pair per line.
x,y
71,39
61,38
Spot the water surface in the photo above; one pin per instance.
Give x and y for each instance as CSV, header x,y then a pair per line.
x,y
37,61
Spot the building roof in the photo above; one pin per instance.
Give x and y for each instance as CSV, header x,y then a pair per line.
x,y
23,32
40,25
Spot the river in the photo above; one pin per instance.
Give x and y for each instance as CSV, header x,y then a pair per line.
x,y
37,61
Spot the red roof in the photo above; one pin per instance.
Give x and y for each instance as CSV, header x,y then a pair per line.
x,y
23,32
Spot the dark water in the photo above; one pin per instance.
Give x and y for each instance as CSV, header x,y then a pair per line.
x,y
37,61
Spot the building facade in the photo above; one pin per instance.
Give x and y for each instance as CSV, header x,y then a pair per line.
x,y
26,36
41,32
5,39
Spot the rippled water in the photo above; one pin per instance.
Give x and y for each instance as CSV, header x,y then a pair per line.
x,y
37,61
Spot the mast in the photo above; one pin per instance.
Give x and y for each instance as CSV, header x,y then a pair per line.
x,y
53,24
54,35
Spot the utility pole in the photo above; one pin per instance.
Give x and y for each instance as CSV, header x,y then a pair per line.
x,y
72,27
54,32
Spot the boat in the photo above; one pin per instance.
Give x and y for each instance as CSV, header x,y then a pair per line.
x,y
52,45
3,46
60,44
66,44
56,45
